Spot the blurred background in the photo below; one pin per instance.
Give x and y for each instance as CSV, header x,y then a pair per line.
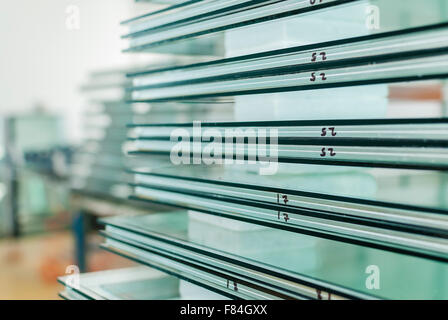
x,y
62,82
48,50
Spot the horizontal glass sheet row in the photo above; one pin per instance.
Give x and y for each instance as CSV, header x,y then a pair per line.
x,y
414,69
412,240
270,156
188,11
292,263
208,17
399,45
328,19
422,191
428,129
359,205
215,281
400,143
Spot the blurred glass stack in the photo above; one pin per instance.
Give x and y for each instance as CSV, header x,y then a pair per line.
x,y
4,221
100,181
338,123
100,165
33,180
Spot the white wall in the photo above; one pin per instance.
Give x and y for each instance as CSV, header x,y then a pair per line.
x,y
44,62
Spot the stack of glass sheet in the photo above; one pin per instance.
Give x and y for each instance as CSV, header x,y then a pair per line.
x,y
100,164
319,187
5,181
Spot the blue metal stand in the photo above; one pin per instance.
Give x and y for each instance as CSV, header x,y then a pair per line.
x,y
79,232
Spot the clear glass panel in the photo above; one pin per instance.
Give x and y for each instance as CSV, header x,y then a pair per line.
x,y
283,253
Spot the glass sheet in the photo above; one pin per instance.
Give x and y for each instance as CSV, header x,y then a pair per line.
x,y
413,240
387,188
326,153
407,43
137,283
192,11
424,129
405,143
357,205
284,254
414,69
291,13
171,7
217,283
210,21
68,294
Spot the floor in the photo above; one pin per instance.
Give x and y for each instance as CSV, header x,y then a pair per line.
x,y
29,266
